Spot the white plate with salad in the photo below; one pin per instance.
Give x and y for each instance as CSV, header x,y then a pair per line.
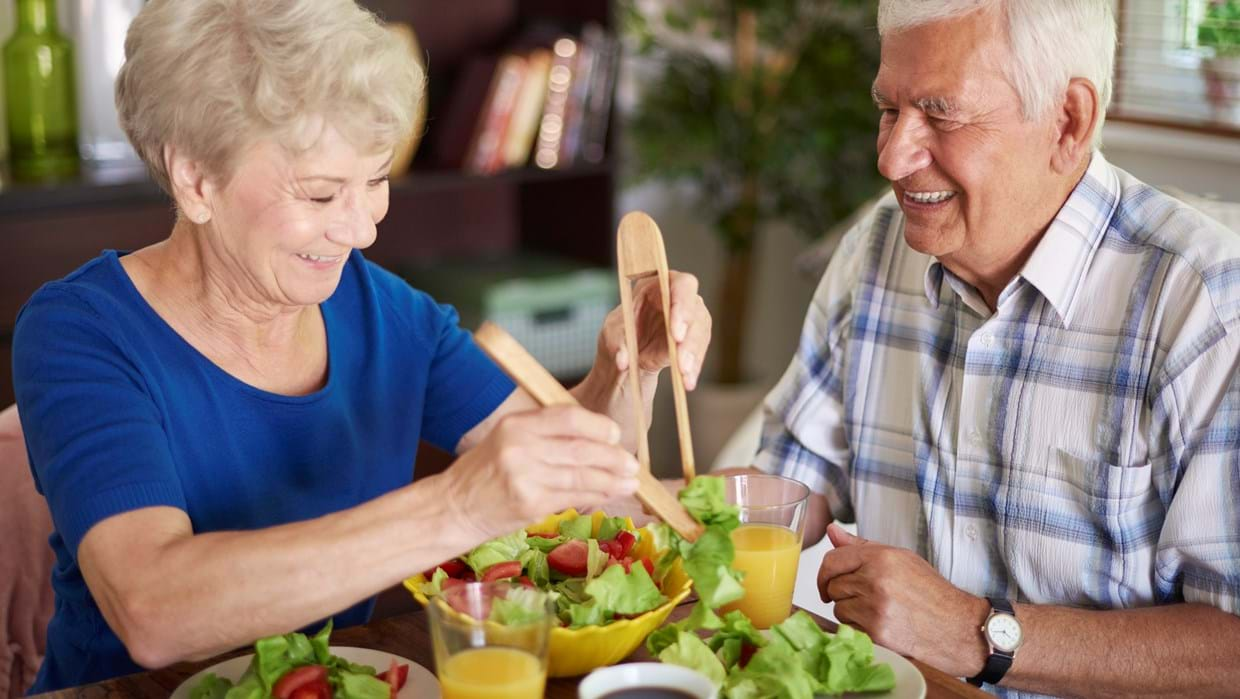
x,y
294,666
909,682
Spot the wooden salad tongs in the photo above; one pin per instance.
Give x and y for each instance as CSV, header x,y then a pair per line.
x,y
640,254
539,383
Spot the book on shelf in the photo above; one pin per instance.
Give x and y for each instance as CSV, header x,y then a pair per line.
x,y
574,107
593,144
523,126
451,135
551,126
545,106
486,155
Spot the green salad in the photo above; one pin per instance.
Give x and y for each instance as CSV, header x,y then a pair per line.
x,y
594,576
295,666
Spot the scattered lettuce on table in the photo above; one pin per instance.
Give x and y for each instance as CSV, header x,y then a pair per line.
x,y
799,660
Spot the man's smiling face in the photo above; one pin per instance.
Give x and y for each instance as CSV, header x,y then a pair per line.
x,y
970,172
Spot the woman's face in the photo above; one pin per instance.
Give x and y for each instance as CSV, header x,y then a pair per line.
x,y
285,224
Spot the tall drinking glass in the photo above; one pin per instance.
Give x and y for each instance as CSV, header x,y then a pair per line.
x,y
768,543
491,640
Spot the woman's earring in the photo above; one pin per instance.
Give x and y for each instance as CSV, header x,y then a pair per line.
x,y
203,217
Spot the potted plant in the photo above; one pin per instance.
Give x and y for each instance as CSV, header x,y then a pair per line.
x,y
1219,32
765,106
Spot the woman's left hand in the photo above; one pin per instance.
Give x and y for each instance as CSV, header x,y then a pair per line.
x,y
690,322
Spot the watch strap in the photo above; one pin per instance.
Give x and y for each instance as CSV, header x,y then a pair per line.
x,y
999,661
996,667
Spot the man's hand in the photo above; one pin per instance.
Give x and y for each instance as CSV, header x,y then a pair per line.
x,y
903,603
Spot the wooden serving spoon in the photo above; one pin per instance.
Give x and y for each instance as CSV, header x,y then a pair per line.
x,y
539,383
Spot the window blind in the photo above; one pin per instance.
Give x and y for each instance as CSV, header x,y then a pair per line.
x,y
1178,63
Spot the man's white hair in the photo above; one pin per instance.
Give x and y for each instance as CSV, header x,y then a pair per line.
x,y
1051,41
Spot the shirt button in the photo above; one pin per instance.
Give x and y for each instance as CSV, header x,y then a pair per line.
x,y
971,532
975,436
988,341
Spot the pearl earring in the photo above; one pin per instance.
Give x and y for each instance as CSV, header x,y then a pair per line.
x,y
203,217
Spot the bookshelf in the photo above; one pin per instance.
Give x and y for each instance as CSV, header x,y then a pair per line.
x,y
435,211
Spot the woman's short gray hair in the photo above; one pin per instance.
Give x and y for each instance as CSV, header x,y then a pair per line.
x,y
213,76
1052,41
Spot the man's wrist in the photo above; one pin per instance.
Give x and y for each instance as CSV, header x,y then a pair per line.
x,y
975,651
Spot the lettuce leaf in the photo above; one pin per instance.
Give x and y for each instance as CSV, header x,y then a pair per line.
x,y
579,528
708,561
596,560
435,585
505,548
704,499
846,663
276,655
588,614
735,625
319,642
774,671
248,687
662,638
689,651
211,687
534,563
353,685
542,543
625,593
513,613
610,527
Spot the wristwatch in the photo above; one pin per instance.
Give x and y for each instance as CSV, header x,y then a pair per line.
x,y
1004,635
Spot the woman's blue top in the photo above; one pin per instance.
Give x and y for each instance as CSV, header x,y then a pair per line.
x,y
121,413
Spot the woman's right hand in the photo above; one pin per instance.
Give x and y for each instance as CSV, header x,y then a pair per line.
x,y
536,463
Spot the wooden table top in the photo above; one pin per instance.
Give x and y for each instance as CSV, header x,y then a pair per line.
x,y
407,635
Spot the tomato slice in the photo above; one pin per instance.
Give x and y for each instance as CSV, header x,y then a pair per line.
x,y
525,580
502,571
318,689
625,541
648,565
455,568
451,583
296,678
570,558
396,676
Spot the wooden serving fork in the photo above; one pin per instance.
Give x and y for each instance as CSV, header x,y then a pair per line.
x,y
640,254
539,383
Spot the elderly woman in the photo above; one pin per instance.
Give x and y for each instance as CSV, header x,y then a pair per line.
x,y
225,423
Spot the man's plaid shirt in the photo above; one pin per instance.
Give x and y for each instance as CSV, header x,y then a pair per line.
x,y
1079,446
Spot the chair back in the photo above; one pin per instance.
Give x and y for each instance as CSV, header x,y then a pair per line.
x,y
26,563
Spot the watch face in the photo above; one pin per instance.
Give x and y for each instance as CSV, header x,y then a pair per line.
x,y
1004,632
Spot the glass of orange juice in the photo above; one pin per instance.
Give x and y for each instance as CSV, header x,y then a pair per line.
x,y
768,543
491,640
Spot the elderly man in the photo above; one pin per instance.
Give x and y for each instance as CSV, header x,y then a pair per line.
x,y
1019,377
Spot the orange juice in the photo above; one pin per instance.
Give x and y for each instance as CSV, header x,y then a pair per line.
x,y
768,555
493,673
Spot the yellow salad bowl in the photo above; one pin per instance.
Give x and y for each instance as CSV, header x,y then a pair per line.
x,y
578,651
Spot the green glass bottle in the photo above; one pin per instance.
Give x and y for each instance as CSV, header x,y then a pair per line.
x,y
39,95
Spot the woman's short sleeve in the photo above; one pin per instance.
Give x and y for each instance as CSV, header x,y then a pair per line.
x,y
97,445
